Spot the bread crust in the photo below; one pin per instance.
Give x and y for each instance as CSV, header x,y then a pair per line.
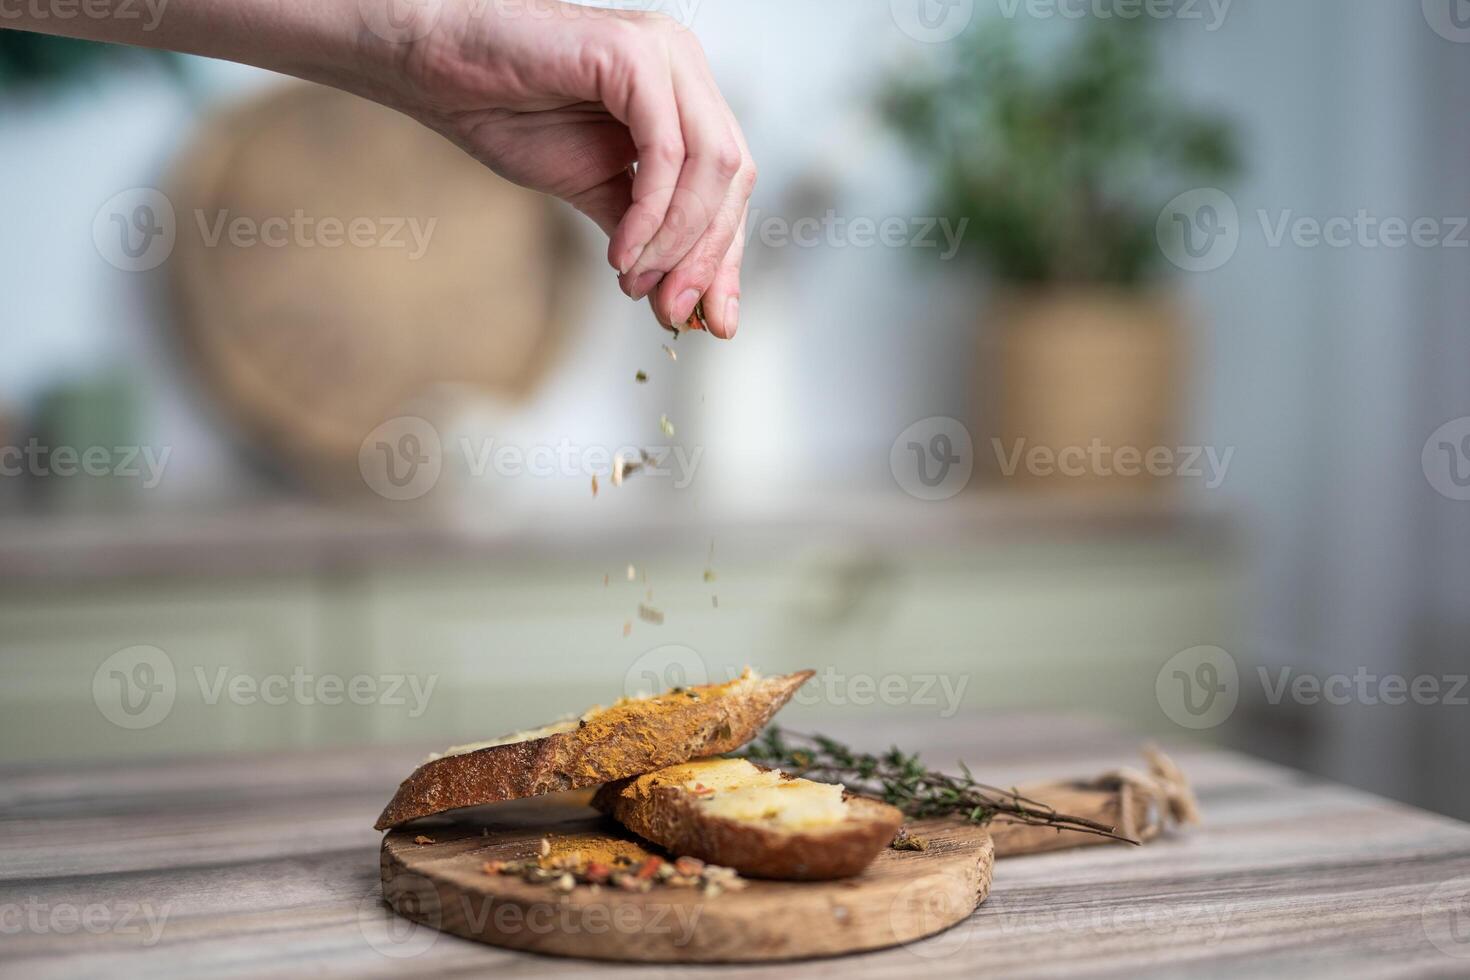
x,y
627,739
672,817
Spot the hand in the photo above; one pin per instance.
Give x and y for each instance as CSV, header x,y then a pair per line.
x,y
565,100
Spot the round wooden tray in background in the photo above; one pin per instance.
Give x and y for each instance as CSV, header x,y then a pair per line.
x,y
432,873
309,348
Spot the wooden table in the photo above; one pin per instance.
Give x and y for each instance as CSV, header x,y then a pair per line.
x,y
269,865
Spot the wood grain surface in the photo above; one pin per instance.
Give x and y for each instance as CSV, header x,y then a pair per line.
x,y
268,865
432,873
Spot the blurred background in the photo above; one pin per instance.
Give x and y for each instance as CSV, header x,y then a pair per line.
x,y
1099,357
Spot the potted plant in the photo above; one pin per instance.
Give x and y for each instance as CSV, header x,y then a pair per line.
x,y
1061,157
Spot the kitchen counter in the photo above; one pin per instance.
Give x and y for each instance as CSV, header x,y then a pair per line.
x,y
268,865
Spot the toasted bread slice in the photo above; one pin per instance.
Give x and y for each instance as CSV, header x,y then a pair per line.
x,y
758,821
634,736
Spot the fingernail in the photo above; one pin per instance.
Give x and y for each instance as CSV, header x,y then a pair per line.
x,y
684,305
732,316
644,284
633,256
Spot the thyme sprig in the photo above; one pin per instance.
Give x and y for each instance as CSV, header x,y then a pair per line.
x,y
902,780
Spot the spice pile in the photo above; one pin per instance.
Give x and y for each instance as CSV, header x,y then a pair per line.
x,y
565,871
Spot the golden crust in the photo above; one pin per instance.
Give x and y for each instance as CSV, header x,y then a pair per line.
x,y
671,817
627,739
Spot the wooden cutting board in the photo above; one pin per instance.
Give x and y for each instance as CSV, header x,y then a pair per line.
x,y
903,895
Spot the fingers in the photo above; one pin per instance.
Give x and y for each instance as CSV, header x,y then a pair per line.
x,y
713,159
651,114
722,298
687,284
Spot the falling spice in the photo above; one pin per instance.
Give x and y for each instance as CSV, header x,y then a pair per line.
x,y
641,377
632,572
594,485
627,629
650,615
666,426
606,579
673,354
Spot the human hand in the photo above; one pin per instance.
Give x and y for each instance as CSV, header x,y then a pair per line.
x,y
565,99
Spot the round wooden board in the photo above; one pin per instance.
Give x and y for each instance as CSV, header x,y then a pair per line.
x,y
902,896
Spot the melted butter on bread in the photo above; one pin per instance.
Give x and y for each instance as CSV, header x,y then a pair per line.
x,y
734,789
